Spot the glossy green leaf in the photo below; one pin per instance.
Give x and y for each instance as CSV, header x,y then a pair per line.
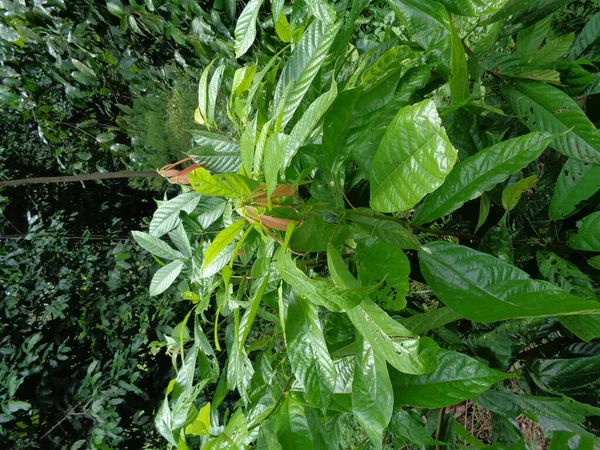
x,y
201,424
578,181
311,363
484,210
181,240
322,10
222,240
307,122
550,412
392,341
412,160
215,152
530,40
303,65
245,28
166,216
578,377
485,289
554,50
164,277
335,128
213,92
513,193
498,242
372,395
292,427
430,320
230,185
589,35
480,173
320,291
386,230
459,77
203,95
275,149
456,379
380,261
430,26
155,246
247,146
409,425
545,108
587,236
473,8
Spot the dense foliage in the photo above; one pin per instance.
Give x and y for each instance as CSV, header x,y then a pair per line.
x,y
394,213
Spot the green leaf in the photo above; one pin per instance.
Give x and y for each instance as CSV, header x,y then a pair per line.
x,y
546,108
485,289
430,320
291,425
480,173
215,152
587,236
577,182
589,35
203,96
247,146
213,92
553,50
230,185
386,230
530,40
584,327
274,159
459,77
372,395
307,122
430,26
245,28
335,128
155,246
201,424
17,405
456,379
473,8
307,351
322,10
392,341
573,377
303,65
320,291
484,210
164,277
565,274
380,261
114,8
180,238
513,193
411,428
413,159
551,413
222,240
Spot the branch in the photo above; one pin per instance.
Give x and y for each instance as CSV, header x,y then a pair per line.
x,y
76,178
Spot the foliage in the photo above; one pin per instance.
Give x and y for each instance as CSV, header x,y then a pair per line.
x,y
78,365
320,303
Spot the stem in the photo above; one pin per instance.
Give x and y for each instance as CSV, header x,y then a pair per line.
x,y
438,431
75,178
284,392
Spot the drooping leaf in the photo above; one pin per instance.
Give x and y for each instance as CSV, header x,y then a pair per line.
x,y
410,426
578,181
565,274
545,108
589,35
307,122
311,363
293,431
303,65
245,28
456,378
413,159
213,92
480,173
247,146
156,246
485,289
222,240
166,216
275,148
164,277
372,395
215,152
459,76
181,240
513,193
473,8
587,236
386,230
430,320
322,10
230,185
573,377
202,111
550,412
392,341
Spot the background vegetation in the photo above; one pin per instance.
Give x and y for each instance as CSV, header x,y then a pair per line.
x,y
242,335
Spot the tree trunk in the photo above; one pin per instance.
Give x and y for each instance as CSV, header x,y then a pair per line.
x,y
75,178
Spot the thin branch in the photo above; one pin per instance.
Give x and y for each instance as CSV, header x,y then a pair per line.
x,y
438,431
77,178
